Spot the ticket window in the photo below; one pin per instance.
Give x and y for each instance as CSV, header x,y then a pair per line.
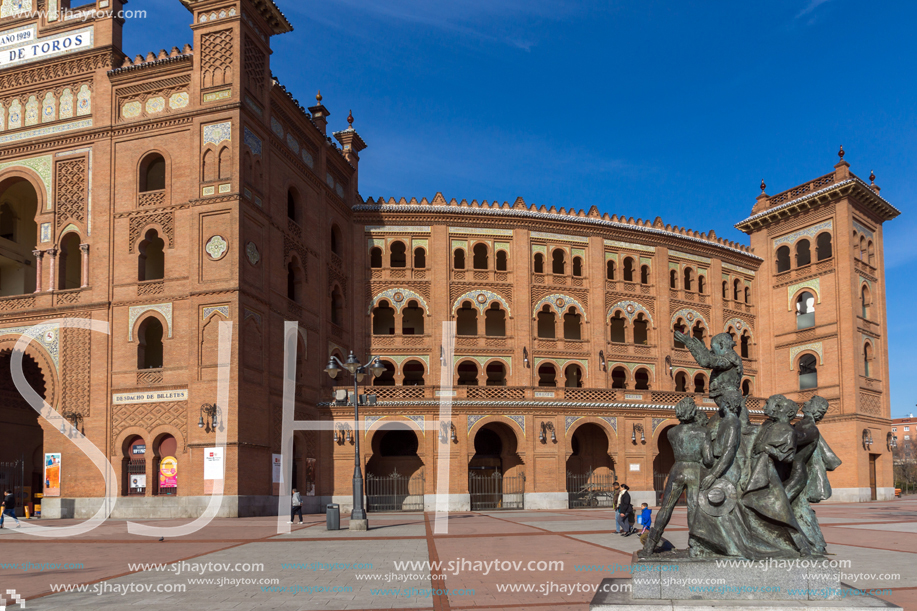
x,y
136,468
168,482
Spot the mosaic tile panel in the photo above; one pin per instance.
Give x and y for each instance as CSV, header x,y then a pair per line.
x,y
560,303
537,235
39,165
472,420
398,298
691,316
43,131
481,231
815,347
631,309
814,284
689,257
217,133
612,422
639,247
809,232
165,309
208,311
481,300
48,336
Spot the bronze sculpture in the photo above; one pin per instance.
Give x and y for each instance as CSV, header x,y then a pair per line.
x,y
748,486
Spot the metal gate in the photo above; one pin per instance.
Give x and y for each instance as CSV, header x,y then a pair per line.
x,y
659,486
491,492
394,492
12,476
590,490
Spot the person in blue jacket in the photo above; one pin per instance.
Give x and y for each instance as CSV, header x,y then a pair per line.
x,y
646,521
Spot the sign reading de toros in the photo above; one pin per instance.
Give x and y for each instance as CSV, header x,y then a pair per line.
x,y
21,45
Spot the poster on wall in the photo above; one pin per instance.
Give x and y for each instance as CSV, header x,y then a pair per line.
x,y
213,463
52,474
168,472
138,482
276,471
310,477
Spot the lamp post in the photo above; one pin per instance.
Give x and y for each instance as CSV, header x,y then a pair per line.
x,y
358,519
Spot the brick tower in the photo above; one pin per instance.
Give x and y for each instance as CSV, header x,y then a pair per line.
x,y
822,316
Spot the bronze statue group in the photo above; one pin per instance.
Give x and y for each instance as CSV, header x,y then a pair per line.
x,y
748,487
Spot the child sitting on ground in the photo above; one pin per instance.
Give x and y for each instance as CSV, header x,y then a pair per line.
x,y
645,521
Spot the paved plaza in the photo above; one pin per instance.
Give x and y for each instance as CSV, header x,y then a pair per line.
x,y
312,568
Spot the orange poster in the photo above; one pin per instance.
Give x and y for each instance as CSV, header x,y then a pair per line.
x,y
52,474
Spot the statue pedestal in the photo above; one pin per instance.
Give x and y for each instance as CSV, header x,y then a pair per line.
x,y
675,581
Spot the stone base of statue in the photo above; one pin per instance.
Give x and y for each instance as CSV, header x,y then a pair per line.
x,y
674,580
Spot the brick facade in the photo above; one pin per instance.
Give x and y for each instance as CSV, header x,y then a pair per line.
x,y
162,195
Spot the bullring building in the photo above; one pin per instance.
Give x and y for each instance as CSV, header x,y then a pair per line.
x,y
164,193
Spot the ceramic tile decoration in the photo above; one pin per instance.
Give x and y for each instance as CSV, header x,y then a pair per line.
x,y
214,96
216,133
690,316
131,110
216,247
39,165
209,311
307,158
225,188
165,309
630,309
809,232
45,232
628,245
84,101
48,108
251,251
209,190
556,237
814,284
252,141
815,347
2,117
398,298
482,231
481,299
47,334
560,304
292,143
179,100
15,7
155,105
277,127
15,114
66,104
689,257
31,111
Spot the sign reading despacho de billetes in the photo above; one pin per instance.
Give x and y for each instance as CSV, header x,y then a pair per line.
x,y
158,396
21,45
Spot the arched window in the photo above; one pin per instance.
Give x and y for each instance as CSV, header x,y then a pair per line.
x,y
496,374
388,376
7,222
862,255
725,289
803,253
645,274
149,345
805,310
70,272
699,332
375,258
539,263
413,373
673,279
689,279
747,294
867,357
546,323
823,246
681,382
746,388
558,262
466,320
420,258
700,383
383,319
642,379
619,377
783,259
610,269
641,330
467,373
871,253
577,267
225,163
412,319
209,166
745,343
865,300
547,375
336,241
618,326
152,173
628,269
337,307
737,290
502,262
294,281
480,256
681,328
701,284
573,376
292,206
572,324
398,256
495,321
458,259
808,372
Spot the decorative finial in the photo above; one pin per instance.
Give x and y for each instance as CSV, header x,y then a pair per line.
x,y
872,177
763,186
350,119
318,96
840,153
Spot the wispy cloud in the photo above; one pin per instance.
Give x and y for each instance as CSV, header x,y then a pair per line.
x,y
810,8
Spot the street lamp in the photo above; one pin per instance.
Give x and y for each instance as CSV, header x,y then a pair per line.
x,y
212,412
358,519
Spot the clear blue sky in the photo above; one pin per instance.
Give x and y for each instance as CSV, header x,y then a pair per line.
x,y
675,109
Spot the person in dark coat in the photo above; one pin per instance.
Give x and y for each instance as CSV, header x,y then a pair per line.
x,y
625,512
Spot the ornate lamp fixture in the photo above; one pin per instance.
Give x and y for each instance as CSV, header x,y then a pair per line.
x,y
602,360
867,439
447,432
74,418
212,412
525,356
343,433
545,427
633,435
891,440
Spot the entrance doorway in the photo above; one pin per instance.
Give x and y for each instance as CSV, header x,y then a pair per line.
x,y
496,473
872,477
394,474
590,468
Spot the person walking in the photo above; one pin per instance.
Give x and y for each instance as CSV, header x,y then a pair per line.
x,y
297,506
624,511
8,508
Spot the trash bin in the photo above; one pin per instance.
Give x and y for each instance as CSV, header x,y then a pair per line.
x,y
333,517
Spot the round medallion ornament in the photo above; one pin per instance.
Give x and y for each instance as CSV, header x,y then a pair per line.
x,y
48,337
630,308
690,316
482,298
398,297
739,325
251,251
560,302
216,247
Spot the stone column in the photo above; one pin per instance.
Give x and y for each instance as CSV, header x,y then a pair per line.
x,y
39,255
52,252
84,252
